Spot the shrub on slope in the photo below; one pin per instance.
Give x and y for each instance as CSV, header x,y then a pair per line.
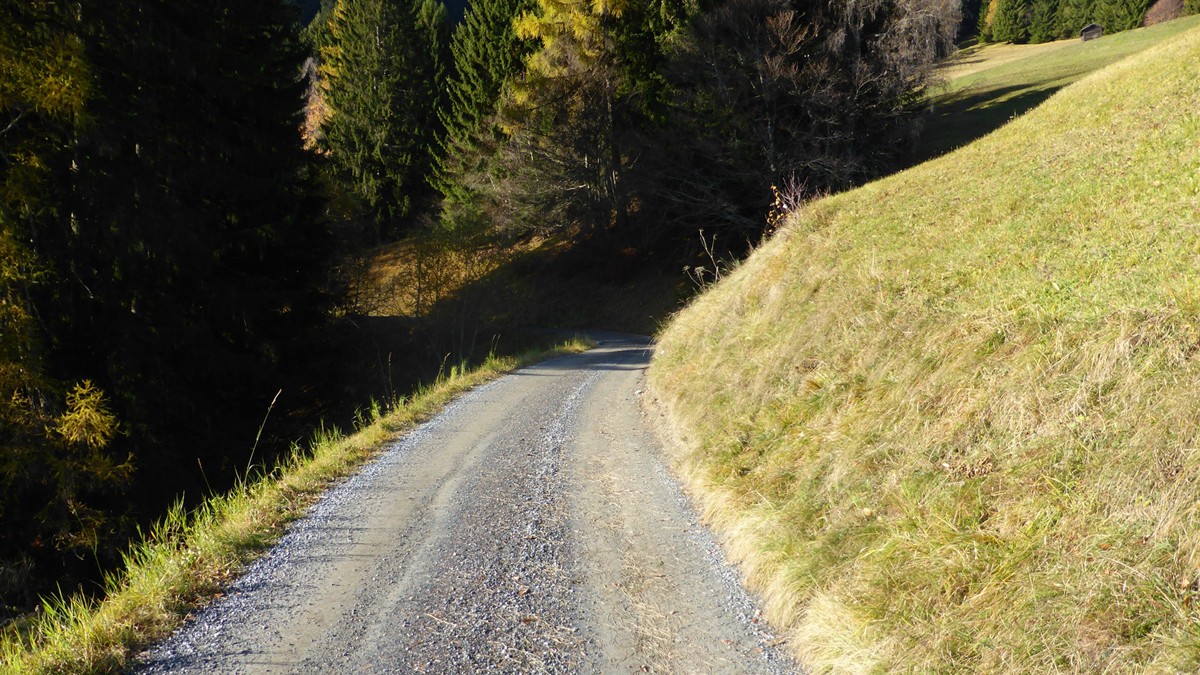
x,y
949,420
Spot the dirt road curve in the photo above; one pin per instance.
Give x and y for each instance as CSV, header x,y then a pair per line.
x,y
531,527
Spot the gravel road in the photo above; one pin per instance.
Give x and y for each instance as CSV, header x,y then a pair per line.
x,y
530,527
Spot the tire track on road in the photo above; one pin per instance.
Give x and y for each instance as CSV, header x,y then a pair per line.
x,y
530,527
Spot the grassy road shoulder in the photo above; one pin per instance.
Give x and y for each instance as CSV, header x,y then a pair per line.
x,y
189,557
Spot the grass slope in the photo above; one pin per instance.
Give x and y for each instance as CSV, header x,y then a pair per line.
x,y
986,86
948,421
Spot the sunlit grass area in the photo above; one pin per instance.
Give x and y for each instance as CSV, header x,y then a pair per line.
x,y
553,280
948,421
986,86
189,556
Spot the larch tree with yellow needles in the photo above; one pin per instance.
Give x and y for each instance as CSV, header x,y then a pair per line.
x,y
566,118
53,443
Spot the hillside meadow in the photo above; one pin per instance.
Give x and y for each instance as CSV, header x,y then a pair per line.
x,y
948,421
985,86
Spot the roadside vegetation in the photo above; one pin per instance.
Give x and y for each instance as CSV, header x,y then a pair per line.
x,y
947,421
185,559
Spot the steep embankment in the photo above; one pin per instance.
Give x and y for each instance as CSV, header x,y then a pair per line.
x,y
949,420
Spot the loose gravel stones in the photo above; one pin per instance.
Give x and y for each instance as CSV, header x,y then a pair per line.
x,y
529,528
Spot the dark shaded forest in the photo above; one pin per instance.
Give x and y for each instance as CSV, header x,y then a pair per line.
x,y
185,184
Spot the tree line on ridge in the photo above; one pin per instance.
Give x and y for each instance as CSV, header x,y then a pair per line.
x,y
1034,21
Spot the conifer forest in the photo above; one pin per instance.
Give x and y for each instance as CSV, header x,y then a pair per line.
x,y
1034,21
183,183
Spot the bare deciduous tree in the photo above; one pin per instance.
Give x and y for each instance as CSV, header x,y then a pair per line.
x,y
772,92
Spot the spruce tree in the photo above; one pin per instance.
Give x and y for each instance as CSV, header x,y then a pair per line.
x,y
381,67
486,53
433,25
970,19
1073,15
1012,21
188,261
1044,21
984,26
1119,15
56,464
158,249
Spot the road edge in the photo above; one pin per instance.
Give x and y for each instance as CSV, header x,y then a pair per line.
x,y
188,558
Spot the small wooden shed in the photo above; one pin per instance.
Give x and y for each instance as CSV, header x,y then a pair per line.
x,y
1091,31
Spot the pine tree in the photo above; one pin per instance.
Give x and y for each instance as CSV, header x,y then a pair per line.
x,y
381,68
1012,21
1073,15
1044,21
486,54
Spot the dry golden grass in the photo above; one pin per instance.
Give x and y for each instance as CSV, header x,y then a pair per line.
x,y
948,422
982,57
529,281
411,276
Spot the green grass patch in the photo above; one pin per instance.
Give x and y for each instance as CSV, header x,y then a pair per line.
x,y
991,84
948,421
188,557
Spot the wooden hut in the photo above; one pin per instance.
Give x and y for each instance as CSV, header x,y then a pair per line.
x,y
1091,31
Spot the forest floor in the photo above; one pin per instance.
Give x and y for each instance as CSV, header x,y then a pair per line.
x,y
532,527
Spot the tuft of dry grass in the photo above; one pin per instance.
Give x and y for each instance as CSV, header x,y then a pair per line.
x,y
949,421
186,559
